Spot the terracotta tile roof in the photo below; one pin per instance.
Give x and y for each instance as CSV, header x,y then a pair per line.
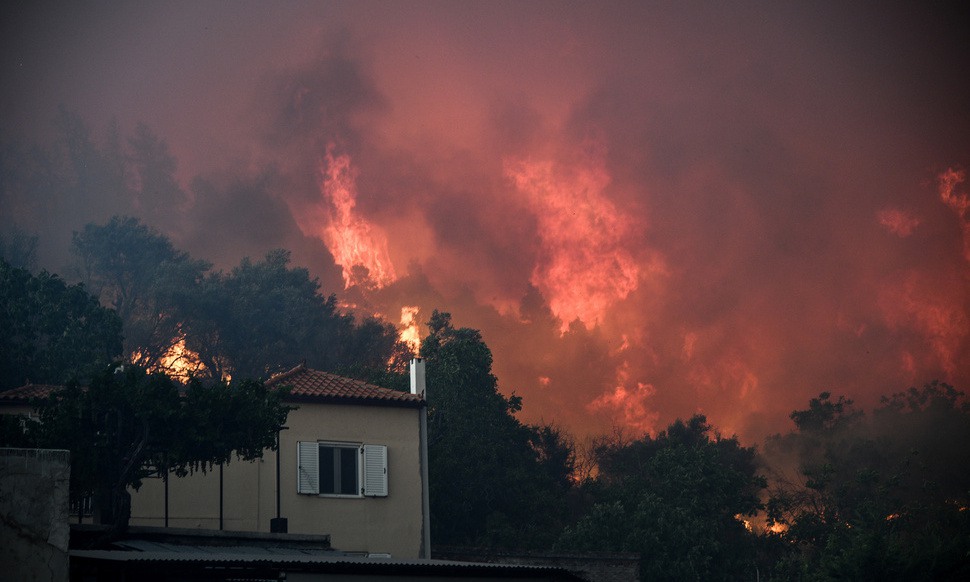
x,y
26,392
313,385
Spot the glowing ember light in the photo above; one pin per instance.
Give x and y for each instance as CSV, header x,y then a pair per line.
x,y
410,334
582,268
898,222
958,202
179,362
746,523
359,247
630,401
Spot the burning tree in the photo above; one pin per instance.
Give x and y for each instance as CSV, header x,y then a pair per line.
x,y
142,276
261,317
266,315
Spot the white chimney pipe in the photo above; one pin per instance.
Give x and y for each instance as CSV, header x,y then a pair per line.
x,y
419,387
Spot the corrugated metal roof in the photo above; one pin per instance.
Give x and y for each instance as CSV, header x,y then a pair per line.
x,y
253,556
268,551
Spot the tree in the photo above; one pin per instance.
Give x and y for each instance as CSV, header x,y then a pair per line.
x,y
678,500
19,249
52,331
266,316
159,195
882,497
141,275
126,425
493,480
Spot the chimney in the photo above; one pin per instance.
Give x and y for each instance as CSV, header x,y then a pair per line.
x,y
418,385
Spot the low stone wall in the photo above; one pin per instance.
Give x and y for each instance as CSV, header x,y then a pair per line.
x,y
34,497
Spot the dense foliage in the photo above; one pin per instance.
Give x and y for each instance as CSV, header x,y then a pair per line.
x,y
881,498
852,496
265,316
260,318
678,500
144,278
125,425
494,481
51,331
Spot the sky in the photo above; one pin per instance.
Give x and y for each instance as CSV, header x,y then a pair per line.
x,y
649,209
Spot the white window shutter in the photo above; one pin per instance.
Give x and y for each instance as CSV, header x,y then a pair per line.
x,y
375,470
308,468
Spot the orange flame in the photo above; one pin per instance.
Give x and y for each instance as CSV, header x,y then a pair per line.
x,y
410,334
582,268
629,400
359,247
179,362
934,311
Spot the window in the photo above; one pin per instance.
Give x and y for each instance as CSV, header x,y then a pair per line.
x,y
341,469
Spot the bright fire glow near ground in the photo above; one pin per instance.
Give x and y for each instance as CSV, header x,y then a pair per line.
x,y
650,210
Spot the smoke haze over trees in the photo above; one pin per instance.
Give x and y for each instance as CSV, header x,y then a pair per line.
x,y
845,494
256,320
880,497
649,209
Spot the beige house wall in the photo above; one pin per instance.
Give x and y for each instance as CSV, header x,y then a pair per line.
x,y
389,524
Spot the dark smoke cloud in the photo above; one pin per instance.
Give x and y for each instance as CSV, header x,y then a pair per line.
x,y
771,169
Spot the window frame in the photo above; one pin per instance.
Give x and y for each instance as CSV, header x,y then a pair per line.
x,y
358,478
371,477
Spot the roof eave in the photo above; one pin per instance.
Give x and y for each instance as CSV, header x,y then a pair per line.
x,y
351,401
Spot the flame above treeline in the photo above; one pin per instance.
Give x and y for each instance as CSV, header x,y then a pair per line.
x,y
583,268
649,210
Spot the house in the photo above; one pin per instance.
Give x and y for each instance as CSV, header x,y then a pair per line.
x,y
351,464
17,401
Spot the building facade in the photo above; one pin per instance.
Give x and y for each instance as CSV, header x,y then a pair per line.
x,y
351,464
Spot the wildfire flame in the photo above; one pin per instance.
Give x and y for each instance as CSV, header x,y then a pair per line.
x,y
582,268
935,312
629,400
179,362
958,202
410,334
359,247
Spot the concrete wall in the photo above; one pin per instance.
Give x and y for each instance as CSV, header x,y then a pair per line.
x,y
389,524
34,498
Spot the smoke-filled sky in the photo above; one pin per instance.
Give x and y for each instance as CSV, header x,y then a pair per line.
x,y
650,209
